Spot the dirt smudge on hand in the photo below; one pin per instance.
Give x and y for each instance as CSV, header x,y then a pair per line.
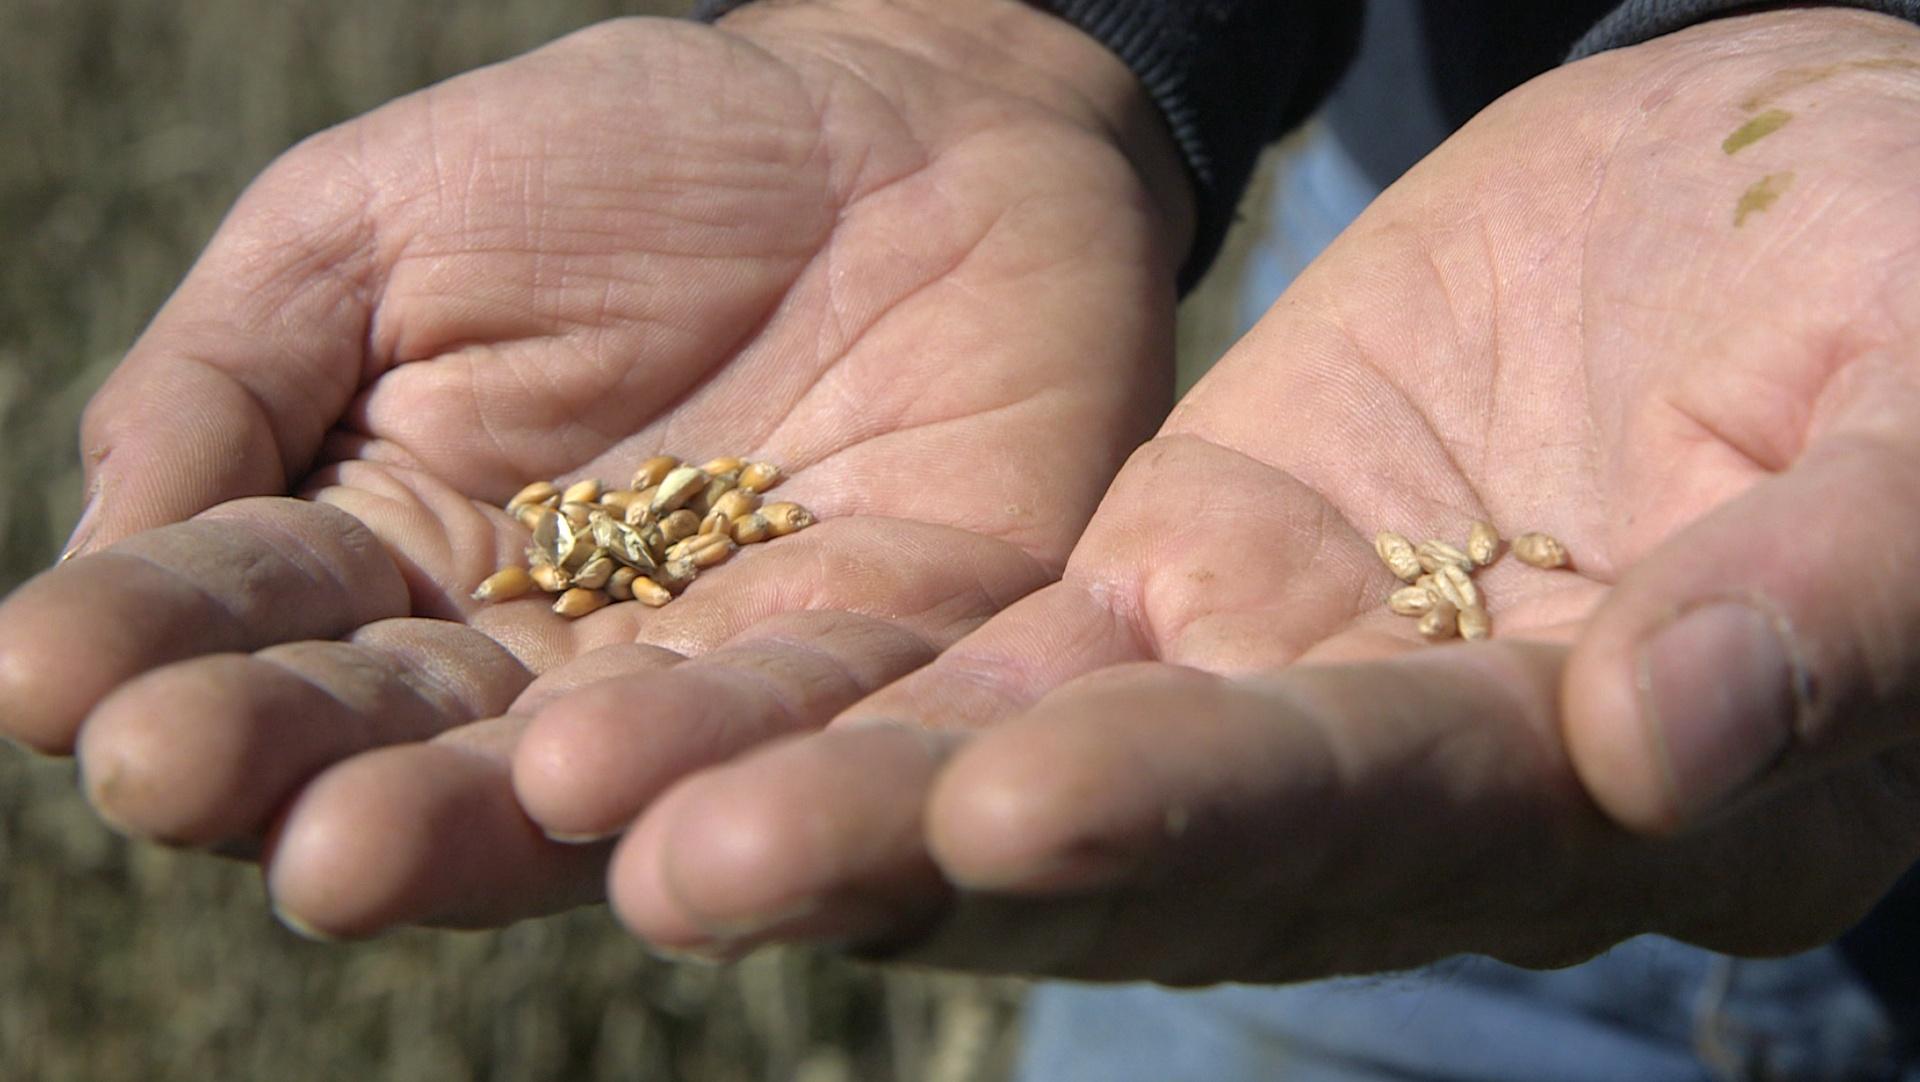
x,y
1760,195
1755,130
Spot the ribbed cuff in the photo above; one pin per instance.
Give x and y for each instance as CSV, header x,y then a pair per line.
x,y
1230,76
1643,20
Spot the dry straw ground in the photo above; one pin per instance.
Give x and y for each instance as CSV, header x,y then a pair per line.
x,y
126,129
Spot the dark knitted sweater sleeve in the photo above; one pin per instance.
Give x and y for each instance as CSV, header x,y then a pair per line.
x,y
1641,20
1230,76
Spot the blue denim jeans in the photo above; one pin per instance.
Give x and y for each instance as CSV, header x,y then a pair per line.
x,y
1650,1010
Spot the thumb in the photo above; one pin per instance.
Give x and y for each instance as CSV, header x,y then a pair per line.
x,y
1775,638
230,390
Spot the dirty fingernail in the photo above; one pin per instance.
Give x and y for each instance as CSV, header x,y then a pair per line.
x,y
1724,695
82,530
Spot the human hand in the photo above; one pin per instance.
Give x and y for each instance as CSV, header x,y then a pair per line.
x,y
901,252
1209,753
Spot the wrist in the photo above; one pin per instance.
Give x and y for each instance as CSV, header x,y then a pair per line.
x,y
1016,49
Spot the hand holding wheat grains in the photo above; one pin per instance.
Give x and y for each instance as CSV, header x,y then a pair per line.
x,y
922,257
1664,303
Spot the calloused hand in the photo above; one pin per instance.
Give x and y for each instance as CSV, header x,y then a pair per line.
x,y
1663,303
902,252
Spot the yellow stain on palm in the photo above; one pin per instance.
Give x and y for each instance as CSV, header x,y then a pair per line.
x,y
1755,130
1760,195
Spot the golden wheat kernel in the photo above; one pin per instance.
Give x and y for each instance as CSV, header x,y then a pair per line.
x,y
620,583
1483,543
529,514
579,601
595,572
760,476
704,550
714,467
717,522
1410,601
1475,623
752,529
1434,554
676,575
716,488
550,578
504,585
1539,550
585,491
577,514
617,500
653,470
1397,553
604,529
651,541
650,593
640,512
536,493
1464,594
737,503
553,538
1443,588
681,485
1432,587
785,518
627,546
1441,621
681,524
718,547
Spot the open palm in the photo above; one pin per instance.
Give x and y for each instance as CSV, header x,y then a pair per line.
x,y
943,308
1210,753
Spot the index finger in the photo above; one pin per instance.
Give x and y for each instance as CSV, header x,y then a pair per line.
x,y
231,389
239,577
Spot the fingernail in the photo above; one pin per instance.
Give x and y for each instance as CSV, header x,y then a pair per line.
x,y
82,530
809,921
703,957
1724,692
301,928
739,930
592,838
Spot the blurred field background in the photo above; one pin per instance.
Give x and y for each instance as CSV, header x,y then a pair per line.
x,y
126,129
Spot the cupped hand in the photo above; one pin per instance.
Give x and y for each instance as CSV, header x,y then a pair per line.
x,y
908,261
1662,304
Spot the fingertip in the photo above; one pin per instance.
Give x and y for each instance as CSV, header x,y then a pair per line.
x,y
637,890
997,824
816,838
346,859
1051,802
43,694
166,442
37,712
1607,730
731,860
163,757
578,770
